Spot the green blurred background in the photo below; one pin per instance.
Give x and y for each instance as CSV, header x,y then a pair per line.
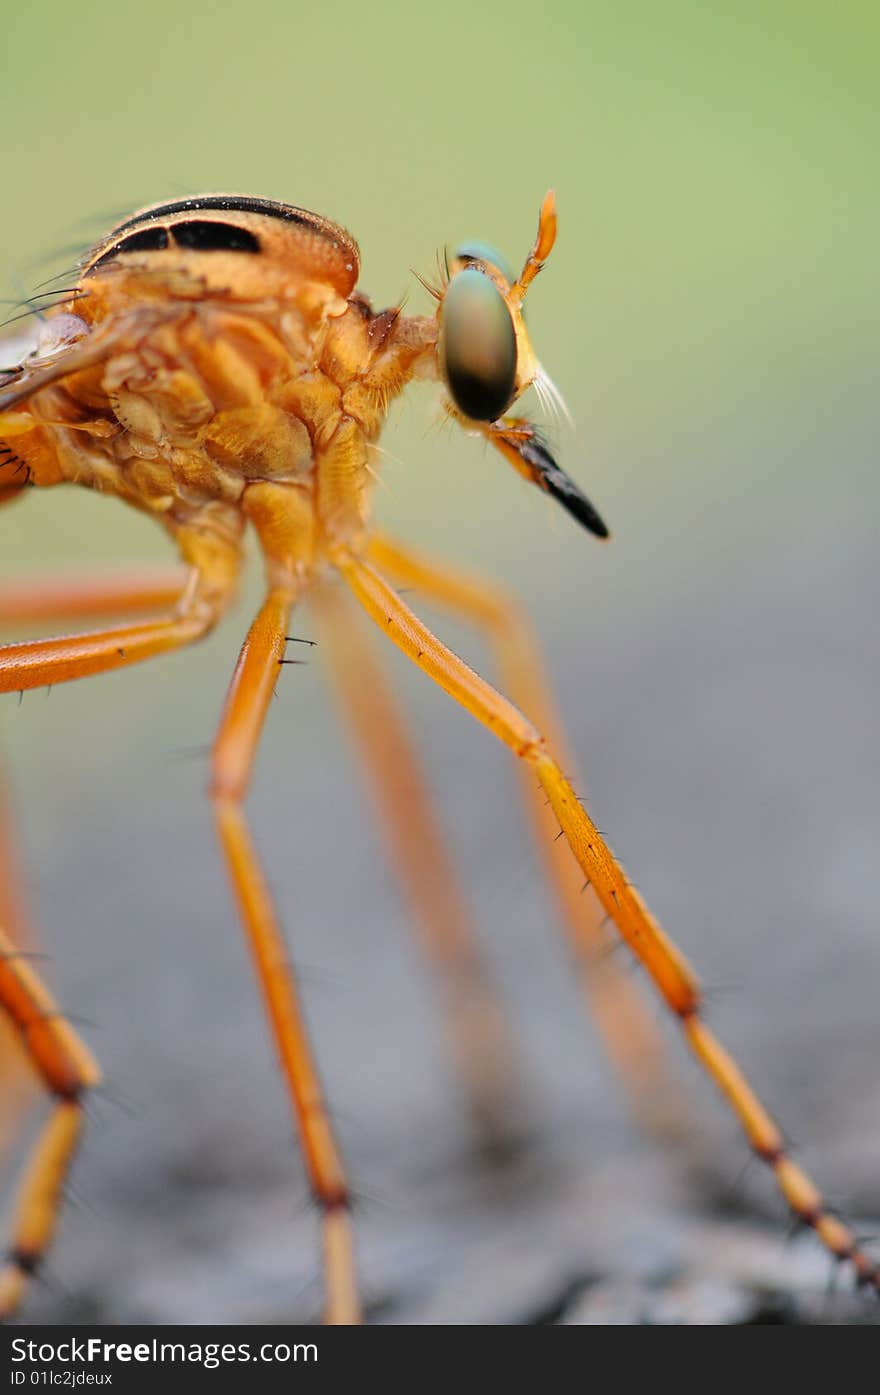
x,y
710,314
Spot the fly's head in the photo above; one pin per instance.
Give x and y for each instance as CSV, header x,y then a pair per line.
x,y
485,359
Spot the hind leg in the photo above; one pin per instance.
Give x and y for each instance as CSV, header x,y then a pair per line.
x,y
59,1058
476,1027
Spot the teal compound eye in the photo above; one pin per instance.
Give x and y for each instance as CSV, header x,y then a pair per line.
x,y
477,347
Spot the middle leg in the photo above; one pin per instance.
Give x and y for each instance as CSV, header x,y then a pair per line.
x,y
234,749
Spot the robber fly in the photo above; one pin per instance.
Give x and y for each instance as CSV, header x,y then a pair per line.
x,y
216,368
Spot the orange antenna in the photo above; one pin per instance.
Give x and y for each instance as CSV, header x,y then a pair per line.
x,y
542,248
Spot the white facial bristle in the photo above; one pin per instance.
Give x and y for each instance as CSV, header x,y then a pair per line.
x,y
551,398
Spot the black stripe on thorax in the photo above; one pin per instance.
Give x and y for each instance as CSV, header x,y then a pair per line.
x,y
193,235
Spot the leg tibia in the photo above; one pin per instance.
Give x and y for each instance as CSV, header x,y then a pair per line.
x,y
667,966
38,1204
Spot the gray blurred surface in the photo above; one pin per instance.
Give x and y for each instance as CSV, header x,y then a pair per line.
x,y
724,713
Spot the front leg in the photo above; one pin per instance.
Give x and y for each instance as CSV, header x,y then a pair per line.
x,y
667,967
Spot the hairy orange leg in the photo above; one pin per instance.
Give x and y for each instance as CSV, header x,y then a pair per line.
x,y
67,1070
476,1027
667,967
40,663
199,597
241,725
630,1034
